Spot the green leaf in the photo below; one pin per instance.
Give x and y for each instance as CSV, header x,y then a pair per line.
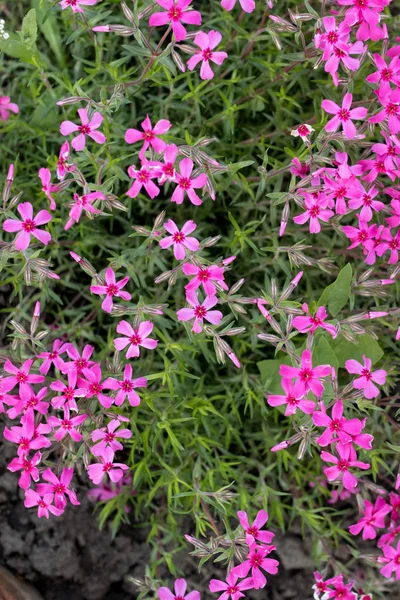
x,y
324,354
336,295
366,345
29,29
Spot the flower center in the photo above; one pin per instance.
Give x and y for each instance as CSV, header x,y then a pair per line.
x,y
316,321
306,375
367,200
143,176
175,14
185,183
107,467
303,130
95,389
148,136
24,443
28,225
386,74
85,129
27,466
21,377
207,54
256,561
112,289
339,53
66,424
135,339
335,425
203,275
392,108
232,589
362,236
127,386
344,114
292,401
109,437
59,488
169,170
314,211
178,237
393,244
332,37
81,364
69,393
200,312
252,531
343,465
42,504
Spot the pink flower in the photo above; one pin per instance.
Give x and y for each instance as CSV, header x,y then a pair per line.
x,y
373,518
134,338
93,386
341,52
391,111
320,586
180,592
342,465
126,387
20,375
246,5
316,210
337,428
87,128
366,15
341,591
391,556
63,166
302,131
44,503
230,587
256,560
188,184
367,377
6,386
361,235
79,363
28,226
115,471
143,178
112,288
68,392
67,425
47,187
53,357
26,436
293,398
106,437
365,199
76,5
59,487
299,169
308,377
385,73
199,312
6,107
83,203
311,324
205,277
253,532
179,239
28,468
178,12
166,170
149,135
28,401
207,43
343,116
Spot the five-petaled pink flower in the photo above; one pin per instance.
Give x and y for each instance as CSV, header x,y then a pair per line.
x,y
27,436
76,5
149,135
78,363
207,43
63,166
373,518
59,486
86,128
257,560
177,12
68,392
53,357
391,556
107,466
93,386
126,387
316,210
28,226
199,312
246,5
346,459
83,203
308,376
204,276
44,504
367,377
179,592
253,532
47,187
28,401
111,289
67,425
20,375
310,323
293,398
188,184
6,107
338,428
230,588
179,238
143,177
134,338
107,437
28,468
343,116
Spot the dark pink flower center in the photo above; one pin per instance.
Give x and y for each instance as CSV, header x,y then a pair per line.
x,y
42,504
59,488
339,53
109,437
362,236
386,74
343,465
28,225
256,561
81,364
143,176
95,388
203,274
315,321
367,200
292,400
332,37
252,531
200,312
344,114
360,4
393,244
126,385
32,402
232,589
135,339
306,375
168,169
392,108
335,425
148,136
314,211
107,467
303,130
380,166
85,129
207,54
185,183
397,559
21,377
178,237
27,466
69,393
53,355
341,192
112,289
175,14
66,424
24,443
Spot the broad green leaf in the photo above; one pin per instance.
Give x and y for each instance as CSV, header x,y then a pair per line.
x,y
366,345
324,354
336,295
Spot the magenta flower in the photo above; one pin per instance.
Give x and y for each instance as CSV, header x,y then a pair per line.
x,y
20,375
337,428
342,591
342,52
316,210
361,235
28,468
205,277
230,587
310,324
87,128
143,178
256,560
53,357
107,437
78,363
112,288
166,170
366,15
26,436
342,465
47,187
68,392
302,131
126,387
343,116
390,100
76,5
44,504
367,377
308,376
177,12
385,73
149,135
179,239
107,466
246,5
134,338
67,425
373,518
6,107
199,312
5,387
253,532
364,199
63,166
293,398
188,184
391,556
179,592
321,586
28,226
59,487
207,43
93,386
28,401
83,203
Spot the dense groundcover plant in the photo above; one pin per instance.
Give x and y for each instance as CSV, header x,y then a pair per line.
x,y
200,252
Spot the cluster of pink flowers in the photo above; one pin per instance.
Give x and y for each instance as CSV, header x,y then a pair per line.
x,y
335,587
